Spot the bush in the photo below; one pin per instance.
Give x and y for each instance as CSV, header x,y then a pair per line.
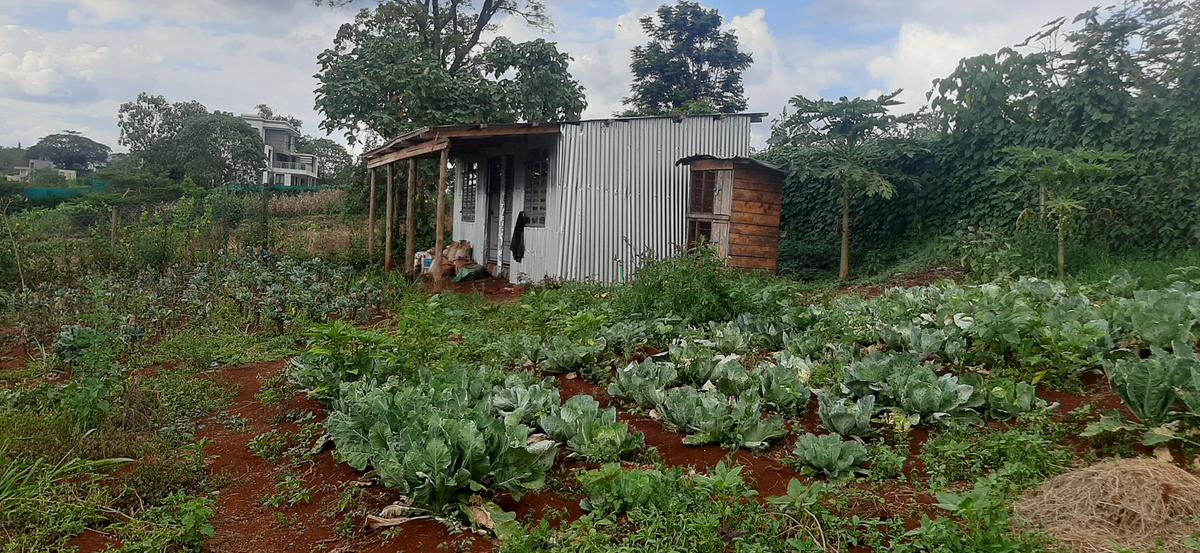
x,y
695,286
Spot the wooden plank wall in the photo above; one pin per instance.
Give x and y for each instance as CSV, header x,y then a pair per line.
x,y
754,218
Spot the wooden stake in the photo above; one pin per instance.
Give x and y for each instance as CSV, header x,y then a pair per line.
x,y
371,218
410,218
440,239
390,219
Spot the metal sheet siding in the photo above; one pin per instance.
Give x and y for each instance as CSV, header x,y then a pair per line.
x,y
617,192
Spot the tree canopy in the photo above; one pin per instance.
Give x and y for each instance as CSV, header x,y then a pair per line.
x,y
690,64
70,150
410,63
183,140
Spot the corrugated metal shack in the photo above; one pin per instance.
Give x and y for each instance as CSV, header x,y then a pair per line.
x,y
595,195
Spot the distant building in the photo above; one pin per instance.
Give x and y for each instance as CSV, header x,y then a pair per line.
x,y
24,172
285,166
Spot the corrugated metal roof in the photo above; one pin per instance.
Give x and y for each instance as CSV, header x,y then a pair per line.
x,y
428,133
736,160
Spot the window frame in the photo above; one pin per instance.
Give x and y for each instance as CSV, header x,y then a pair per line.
x,y
702,198
536,199
469,192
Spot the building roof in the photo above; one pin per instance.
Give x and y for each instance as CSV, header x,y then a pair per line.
x,y
737,160
426,141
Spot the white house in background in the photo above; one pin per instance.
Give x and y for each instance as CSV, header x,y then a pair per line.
x,y
23,173
285,166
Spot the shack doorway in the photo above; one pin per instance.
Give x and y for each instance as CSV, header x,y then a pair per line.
x,y
500,179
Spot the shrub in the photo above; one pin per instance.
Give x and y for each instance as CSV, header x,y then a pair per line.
x,y
695,286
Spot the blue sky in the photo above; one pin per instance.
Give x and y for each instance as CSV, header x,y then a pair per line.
x,y
68,64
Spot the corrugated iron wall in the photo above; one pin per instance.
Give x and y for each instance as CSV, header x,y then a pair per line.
x,y
617,192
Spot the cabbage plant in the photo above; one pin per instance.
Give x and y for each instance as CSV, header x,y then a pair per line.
x,y
643,383
829,454
590,432
846,416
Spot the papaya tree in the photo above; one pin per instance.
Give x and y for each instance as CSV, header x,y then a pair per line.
x,y
844,144
1060,187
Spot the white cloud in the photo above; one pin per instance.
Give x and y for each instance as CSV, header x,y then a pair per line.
x,y
935,34
233,54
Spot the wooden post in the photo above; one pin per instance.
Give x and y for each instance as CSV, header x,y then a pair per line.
x,y
389,219
410,218
371,218
440,240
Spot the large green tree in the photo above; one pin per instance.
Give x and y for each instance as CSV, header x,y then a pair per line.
x,y
219,148
689,65
70,150
149,126
184,140
409,63
843,144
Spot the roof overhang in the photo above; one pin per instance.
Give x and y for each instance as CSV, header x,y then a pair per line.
x,y
734,161
431,141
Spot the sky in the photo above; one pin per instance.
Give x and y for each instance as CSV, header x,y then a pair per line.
x,y
69,64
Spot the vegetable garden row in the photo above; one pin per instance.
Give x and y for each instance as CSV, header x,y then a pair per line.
x,y
923,392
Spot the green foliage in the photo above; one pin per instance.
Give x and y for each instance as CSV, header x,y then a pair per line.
x,y
695,286
448,74
691,64
712,417
1003,398
643,383
521,403
183,140
829,454
1117,79
436,439
782,389
611,490
182,523
70,150
846,416
1149,387
592,434
844,145
983,525
1023,456
1061,186
560,354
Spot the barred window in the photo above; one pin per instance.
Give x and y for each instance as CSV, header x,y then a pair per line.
x,y
699,232
704,186
537,177
470,191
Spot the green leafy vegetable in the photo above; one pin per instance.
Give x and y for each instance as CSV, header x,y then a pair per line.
x,y
829,454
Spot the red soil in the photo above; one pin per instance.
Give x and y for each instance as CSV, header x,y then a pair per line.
x,y
497,290
243,524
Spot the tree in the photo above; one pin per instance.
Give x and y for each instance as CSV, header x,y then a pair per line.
x,y
219,148
149,126
690,64
70,150
843,144
409,63
1063,186
266,112
332,159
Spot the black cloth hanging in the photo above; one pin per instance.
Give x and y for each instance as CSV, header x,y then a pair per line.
x,y
517,245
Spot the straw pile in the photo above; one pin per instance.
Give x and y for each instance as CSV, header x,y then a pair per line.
x,y
1127,504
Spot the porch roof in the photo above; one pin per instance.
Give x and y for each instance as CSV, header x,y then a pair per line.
x,y
428,142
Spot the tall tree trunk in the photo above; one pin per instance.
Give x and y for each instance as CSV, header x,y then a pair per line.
x,y
1062,250
844,270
